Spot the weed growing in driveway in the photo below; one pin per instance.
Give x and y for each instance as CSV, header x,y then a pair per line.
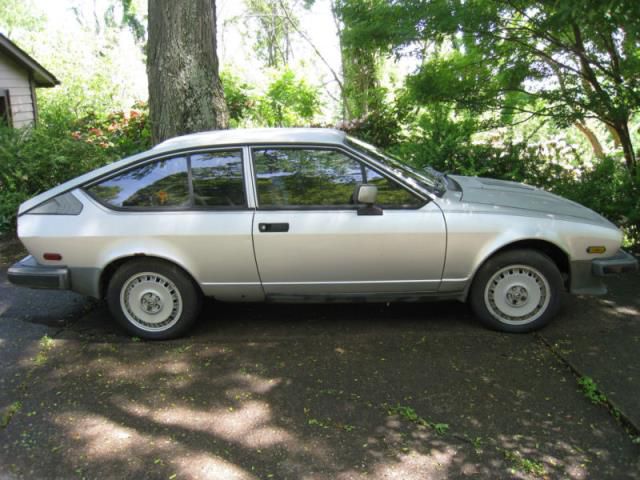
x,y
410,414
476,442
590,390
8,413
46,344
317,423
524,465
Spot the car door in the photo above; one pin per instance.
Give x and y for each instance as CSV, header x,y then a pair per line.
x,y
309,239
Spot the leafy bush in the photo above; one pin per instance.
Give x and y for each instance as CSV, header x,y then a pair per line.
x,y
288,101
237,95
383,124
60,148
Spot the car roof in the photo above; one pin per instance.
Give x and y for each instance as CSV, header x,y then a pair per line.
x,y
197,140
254,136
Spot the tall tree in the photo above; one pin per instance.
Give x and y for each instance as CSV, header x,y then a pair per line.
x,y
361,63
566,61
273,22
185,93
20,15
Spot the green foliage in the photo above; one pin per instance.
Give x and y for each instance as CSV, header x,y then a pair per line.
x,y
272,22
524,465
19,15
7,414
590,390
410,414
608,189
382,126
566,61
288,101
62,147
237,94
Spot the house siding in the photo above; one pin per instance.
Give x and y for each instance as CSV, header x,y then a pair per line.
x,y
16,79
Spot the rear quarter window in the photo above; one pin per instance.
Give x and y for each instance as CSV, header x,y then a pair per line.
x,y
207,180
163,183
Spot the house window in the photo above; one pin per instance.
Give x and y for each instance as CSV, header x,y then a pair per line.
x,y
5,108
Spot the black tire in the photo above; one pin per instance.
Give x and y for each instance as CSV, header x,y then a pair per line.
x,y
526,291
155,285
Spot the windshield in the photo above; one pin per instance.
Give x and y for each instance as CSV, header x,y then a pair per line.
x,y
429,179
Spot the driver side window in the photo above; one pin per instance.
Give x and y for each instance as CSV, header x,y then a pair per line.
x,y
305,177
317,178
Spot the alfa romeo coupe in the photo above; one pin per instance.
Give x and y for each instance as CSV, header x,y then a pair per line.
x,y
307,215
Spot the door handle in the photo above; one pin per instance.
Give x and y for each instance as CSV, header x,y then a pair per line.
x,y
273,227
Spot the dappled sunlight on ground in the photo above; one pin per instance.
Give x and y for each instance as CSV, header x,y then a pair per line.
x,y
209,467
294,409
98,438
248,425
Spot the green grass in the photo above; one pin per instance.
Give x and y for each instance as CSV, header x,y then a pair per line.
x,y
8,413
46,344
524,465
412,416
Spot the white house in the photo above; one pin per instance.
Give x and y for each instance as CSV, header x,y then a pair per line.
x,y
20,75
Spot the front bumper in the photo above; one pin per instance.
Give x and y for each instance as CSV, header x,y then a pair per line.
x,y
621,262
29,273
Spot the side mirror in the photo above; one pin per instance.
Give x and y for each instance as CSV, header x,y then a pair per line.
x,y
367,194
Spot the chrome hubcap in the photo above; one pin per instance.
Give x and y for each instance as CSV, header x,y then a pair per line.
x,y
517,294
151,301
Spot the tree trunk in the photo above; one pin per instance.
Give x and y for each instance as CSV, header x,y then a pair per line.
x,y
593,139
614,135
622,130
361,81
185,93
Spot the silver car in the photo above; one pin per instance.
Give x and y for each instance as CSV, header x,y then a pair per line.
x,y
307,215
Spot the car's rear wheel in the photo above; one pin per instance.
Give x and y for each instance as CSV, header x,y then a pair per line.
x,y
153,299
517,291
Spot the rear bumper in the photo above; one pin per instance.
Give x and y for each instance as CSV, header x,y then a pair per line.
x,y
29,273
621,262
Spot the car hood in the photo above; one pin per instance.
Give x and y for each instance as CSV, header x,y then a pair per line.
x,y
502,193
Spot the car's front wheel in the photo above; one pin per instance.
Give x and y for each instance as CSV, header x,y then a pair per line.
x,y
517,291
153,299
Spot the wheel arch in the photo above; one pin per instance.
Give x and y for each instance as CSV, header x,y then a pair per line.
x,y
557,255
110,268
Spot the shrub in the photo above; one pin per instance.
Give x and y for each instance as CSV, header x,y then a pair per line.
x,y
61,148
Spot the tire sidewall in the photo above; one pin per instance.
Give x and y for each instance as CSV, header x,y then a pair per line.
x,y
189,292
539,261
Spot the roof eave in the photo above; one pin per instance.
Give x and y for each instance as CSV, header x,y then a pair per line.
x,y
41,76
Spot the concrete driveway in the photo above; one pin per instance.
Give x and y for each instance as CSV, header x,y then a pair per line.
x,y
319,392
